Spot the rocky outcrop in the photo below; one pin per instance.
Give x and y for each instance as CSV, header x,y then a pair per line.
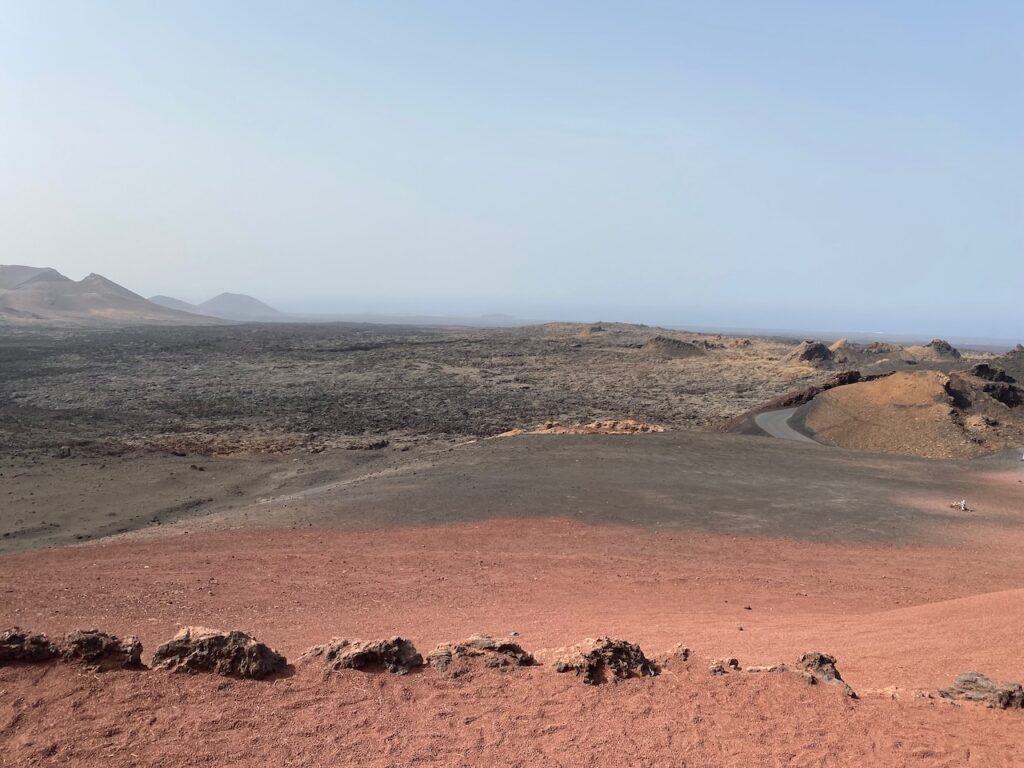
x,y
603,659
935,350
392,655
456,659
991,373
974,686
234,654
821,668
101,651
943,348
814,353
17,645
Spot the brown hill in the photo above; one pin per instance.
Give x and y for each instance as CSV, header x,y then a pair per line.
x,y
876,353
936,349
43,296
925,413
667,348
813,353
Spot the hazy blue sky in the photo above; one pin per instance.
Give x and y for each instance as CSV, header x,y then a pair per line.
x,y
854,165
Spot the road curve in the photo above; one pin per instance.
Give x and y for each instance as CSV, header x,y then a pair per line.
x,y
776,424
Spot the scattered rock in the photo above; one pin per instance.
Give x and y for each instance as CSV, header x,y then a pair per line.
x,y
607,427
604,659
680,652
102,651
454,658
18,645
724,666
373,445
769,668
820,667
974,686
234,653
393,655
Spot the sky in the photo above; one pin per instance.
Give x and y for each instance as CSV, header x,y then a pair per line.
x,y
843,165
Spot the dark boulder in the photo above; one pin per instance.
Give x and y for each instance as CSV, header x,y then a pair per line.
x,y
990,373
233,654
821,668
392,655
102,651
456,659
1009,395
974,686
17,645
598,661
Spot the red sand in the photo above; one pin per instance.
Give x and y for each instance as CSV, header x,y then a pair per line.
x,y
523,717
911,617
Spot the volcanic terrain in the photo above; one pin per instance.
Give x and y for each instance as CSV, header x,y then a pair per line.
x,y
307,483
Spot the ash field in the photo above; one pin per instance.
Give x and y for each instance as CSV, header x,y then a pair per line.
x,y
598,499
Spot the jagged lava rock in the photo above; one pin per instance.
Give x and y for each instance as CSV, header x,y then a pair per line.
x,y
820,667
233,654
392,655
18,645
495,654
602,659
974,686
101,650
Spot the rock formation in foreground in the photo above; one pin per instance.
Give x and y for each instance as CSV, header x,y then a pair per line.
x,y
456,659
17,645
234,654
974,686
604,659
392,655
101,650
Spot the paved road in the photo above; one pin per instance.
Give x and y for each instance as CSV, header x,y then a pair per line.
x,y
776,424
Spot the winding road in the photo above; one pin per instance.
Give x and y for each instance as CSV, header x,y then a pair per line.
x,y
776,424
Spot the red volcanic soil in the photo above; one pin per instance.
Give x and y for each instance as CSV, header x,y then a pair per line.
x,y
909,617
519,717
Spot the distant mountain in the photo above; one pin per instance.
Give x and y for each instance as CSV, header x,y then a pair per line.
x,y
41,296
227,306
16,275
172,303
238,306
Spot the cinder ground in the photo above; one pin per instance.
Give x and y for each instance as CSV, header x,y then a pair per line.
x,y
266,410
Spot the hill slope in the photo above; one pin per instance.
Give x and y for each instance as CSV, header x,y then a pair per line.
x,y
43,296
227,306
238,306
